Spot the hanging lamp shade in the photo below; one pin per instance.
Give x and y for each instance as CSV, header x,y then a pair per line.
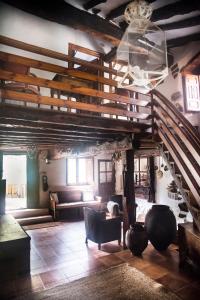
x,y
142,50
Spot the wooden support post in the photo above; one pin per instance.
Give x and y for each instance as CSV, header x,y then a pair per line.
x,y
129,193
152,180
152,117
2,196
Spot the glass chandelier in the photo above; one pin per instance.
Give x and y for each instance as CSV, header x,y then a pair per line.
x,y
142,50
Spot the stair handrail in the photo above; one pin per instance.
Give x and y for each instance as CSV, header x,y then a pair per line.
x,y
166,114
187,125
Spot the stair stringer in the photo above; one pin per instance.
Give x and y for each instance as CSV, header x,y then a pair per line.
x,y
187,196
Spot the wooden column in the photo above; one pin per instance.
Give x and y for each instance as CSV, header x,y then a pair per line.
x,y
2,196
129,206
151,180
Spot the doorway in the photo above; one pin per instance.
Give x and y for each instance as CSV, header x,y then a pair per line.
x,y
106,174
15,173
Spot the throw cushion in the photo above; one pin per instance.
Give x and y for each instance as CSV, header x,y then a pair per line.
x,y
113,208
54,197
69,196
88,196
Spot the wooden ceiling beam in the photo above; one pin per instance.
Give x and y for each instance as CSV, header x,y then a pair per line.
x,y
50,132
66,14
30,137
45,145
183,40
47,134
194,21
65,118
93,3
192,66
176,8
58,128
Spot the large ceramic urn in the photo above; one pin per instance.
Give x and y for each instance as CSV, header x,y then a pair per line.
x,y
136,239
160,224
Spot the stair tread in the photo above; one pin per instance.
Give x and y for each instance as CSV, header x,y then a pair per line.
x,y
34,217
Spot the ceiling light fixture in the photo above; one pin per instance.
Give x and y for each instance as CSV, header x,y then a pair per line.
x,y
142,50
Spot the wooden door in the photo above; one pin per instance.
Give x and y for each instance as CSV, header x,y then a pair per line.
x,y
106,174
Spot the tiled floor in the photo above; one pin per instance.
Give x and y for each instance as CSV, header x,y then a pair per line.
x,y
59,255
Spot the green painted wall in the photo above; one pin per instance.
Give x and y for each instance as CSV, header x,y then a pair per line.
x,y
32,183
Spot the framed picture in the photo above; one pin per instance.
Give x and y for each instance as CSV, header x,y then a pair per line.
x,y
191,85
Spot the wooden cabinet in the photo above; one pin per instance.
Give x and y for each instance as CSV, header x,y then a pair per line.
x,y
189,245
14,249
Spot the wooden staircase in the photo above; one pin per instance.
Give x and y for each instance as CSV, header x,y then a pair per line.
x,y
179,144
31,216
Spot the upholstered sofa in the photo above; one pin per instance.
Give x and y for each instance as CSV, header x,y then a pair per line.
x,y
68,199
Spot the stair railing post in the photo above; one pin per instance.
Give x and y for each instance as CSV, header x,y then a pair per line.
x,y
152,116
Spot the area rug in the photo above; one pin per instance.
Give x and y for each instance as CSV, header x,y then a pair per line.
x,y
41,225
121,282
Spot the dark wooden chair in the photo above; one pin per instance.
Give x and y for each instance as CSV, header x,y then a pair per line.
x,y
99,229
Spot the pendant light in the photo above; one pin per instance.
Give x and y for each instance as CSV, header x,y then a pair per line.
x,y
142,50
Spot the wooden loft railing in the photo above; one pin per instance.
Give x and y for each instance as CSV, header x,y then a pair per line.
x,y
181,144
78,84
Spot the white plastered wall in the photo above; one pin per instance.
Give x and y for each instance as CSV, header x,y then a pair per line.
x,y
56,173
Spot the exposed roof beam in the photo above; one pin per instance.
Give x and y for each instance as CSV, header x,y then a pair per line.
x,y
22,136
192,66
177,8
63,128
58,117
65,14
49,133
181,24
93,3
183,40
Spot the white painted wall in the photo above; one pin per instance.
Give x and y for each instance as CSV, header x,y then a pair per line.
x,y
28,28
182,55
56,173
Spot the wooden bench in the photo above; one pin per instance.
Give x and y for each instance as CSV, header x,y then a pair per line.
x,y
63,200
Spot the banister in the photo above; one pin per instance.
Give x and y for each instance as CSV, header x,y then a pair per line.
x,y
187,125
189,142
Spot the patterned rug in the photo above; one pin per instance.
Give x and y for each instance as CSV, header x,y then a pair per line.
x,y
117,283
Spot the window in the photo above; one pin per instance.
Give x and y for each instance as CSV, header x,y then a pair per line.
x,y
141,172
79,171
192,95
105,171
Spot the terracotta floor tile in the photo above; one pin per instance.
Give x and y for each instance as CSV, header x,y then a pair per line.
x,y
172,282
124,255
190,292
59,255
110,260
52,278
154,271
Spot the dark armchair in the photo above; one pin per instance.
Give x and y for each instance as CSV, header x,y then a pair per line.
x,y
99,229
